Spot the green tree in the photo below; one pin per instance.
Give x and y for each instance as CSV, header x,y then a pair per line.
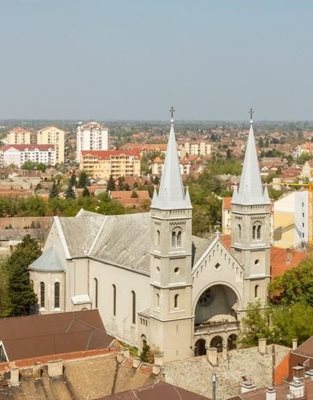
x,y
30,165
54,191
22,298
134,195
85,192
255,325
83,180
70,192
111,184
72,180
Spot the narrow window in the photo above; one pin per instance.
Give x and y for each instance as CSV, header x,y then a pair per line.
x,y
176,301
114,300
253,232
258,234
239,231
256,291
173,239
42,295
96,292
179,239
133,307
157,300
158,237
57,295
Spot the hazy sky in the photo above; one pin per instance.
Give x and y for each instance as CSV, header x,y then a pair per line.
x,y
132,59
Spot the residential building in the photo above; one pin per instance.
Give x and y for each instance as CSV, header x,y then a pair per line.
x,y
102,164
18,136
291,221
19,153
91,136
55,136
195,149
226,215
158,165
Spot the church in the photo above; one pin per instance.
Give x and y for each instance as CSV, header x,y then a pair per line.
x,y
150,278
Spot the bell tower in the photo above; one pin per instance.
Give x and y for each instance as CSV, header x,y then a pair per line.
x,y
171,319
250,225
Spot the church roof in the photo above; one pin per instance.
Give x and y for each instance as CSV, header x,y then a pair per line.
x,y
171,195
251,190
49,261
122,240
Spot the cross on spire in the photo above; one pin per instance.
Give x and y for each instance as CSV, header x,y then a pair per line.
x,y
251,112
172,113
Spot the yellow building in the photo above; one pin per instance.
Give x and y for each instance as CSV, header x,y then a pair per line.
x,y
104,163
53,135
18,136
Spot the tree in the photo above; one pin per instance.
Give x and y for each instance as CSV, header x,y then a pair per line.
x,y
255,325
31,165
85,192
83,180
23,300
72,181
54,191
110,184
70,192
134,195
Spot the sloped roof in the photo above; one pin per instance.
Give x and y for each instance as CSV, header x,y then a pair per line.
x,y
160,390
122,240
40,335
48,261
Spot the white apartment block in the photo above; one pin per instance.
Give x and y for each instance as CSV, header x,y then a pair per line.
x,y
195,149
18,136
55,136
18,154
91,136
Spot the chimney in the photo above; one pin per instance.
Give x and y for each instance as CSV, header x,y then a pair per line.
x,y
296,388
270,393
212,356
37,371
247,386
288,256
55,368
14,377
294,344
298,372
262,346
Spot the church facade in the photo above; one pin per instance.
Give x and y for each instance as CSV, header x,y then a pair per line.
x,y
151,279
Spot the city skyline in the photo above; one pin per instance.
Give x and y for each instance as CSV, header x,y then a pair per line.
x,y
131,60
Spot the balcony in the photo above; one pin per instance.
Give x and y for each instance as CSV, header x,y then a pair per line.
x,y
216,327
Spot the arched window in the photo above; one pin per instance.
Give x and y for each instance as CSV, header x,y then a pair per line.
x,y
157,297
176,301
114,299
133,307
256,291
42,295
176,237
96,292
239,231
57,295
256,231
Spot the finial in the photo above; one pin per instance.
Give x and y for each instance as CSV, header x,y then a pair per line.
x,y
251,112
172,114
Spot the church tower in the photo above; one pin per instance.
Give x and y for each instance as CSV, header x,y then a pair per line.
x,y
250,225
171,319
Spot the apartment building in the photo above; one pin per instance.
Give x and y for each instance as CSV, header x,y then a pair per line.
x,y
157,166
91,136
55,136
19,153
102,164
18,135
195,149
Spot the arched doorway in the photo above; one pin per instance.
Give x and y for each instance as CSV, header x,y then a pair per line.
x,y
218,303
232,342
200,349
217,342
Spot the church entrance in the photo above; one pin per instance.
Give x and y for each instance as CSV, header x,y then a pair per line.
x,y
200,349
216,304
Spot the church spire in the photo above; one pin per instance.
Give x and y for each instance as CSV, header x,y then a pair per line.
x,y
172,194
250,189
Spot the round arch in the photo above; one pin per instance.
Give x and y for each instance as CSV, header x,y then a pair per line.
x,y
232,341
217,303
200,349
217,342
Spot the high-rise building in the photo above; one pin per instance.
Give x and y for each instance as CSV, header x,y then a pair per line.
x,y
91,136
18,136
53,135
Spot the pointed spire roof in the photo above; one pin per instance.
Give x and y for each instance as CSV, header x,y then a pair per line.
x,y
49,261
172,194
251,188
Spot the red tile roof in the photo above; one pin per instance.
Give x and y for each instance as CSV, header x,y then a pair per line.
x,y
227,203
